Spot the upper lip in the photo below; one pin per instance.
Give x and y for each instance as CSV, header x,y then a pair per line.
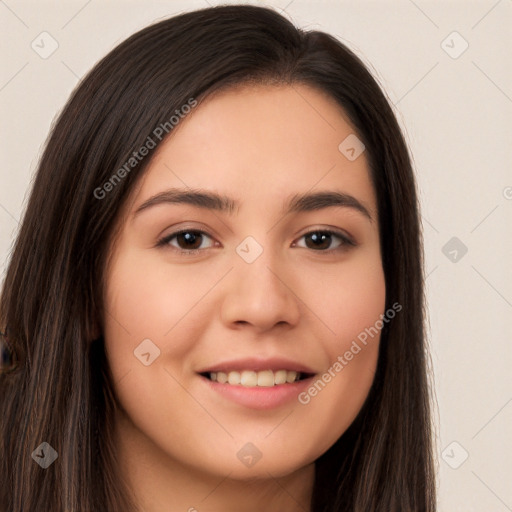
x,y
258,364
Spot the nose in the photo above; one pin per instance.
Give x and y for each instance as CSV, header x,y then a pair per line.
x,y
260,294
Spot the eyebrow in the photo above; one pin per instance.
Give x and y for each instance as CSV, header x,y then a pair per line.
x,y
297,203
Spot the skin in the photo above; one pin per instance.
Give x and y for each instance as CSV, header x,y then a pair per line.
x,y
177,439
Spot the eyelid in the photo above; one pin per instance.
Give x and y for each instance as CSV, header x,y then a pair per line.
x,y
346,237
344,244
164,241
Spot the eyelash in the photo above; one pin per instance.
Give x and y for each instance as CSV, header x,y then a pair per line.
x,y
346,241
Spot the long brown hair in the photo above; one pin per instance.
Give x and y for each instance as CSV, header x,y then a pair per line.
x,y
60,390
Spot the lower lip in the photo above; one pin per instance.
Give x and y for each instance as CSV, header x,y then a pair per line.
x,y
259,397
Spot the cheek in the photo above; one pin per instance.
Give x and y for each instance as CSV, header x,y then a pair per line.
x,y
346,299
144,300
352,308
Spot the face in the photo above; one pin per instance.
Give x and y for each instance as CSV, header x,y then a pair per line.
x,y
259,294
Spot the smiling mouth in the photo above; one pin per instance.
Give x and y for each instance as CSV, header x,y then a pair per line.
x,y
249,378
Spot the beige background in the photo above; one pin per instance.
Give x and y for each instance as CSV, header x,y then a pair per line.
x,y
456,115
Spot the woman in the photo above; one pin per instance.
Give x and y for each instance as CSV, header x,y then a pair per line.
x,y
144,371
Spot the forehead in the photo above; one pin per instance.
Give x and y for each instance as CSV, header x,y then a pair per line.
x,y
260,144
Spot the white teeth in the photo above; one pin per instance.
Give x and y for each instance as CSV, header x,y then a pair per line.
x,y
265,378
248,378
234,378
280,376
291,376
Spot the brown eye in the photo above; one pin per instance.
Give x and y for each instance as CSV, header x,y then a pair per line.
x,y
322,240
187,240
